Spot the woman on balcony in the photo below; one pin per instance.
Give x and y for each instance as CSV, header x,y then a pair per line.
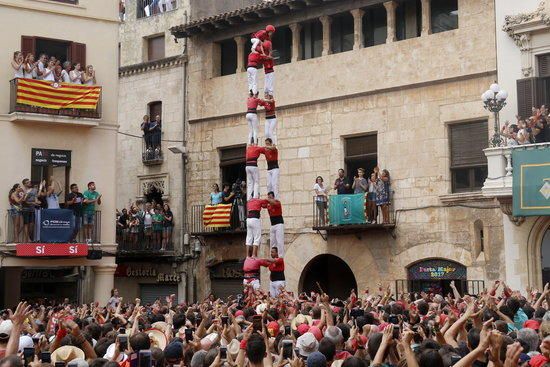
x,y
383,194
17,64
89,75
76,74
16,198
65,78
168,227
30,67
215,195
321,199
49,73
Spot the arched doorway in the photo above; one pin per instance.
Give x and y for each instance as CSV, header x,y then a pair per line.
x,y
435,276
545,257
332,273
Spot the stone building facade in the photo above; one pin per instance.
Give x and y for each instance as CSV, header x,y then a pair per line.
x,y
410,91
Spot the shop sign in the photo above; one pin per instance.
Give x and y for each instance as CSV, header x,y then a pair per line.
x,y
51,249
51,157
146,272
45,274
168,278
437,270
227,270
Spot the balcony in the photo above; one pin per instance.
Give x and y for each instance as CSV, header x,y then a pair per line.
x,y
75,231
147,8
151,149
237,226
42,101
351,216
141,244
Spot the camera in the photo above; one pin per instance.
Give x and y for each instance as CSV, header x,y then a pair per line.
x,y
237,190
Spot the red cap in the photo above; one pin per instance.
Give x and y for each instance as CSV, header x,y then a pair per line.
x,y
532,324
363,342
239,313
316,332
303,328
273,328
270,28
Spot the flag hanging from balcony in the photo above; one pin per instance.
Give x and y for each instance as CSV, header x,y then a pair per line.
x,y
531,181
346,209
217,216
56,96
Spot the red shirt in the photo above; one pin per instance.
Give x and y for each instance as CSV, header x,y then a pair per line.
x,y
261,35
268,63
271,154
252,154
252,104
277,265
253,264
255,60
269,108
275,209
256,204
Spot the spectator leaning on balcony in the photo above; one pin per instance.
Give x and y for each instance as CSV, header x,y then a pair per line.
x,y
16,196
155,128
29,205
75,201
41,65
341,185
76,74
50,193
89,76
216,195
321,199
17,64
30,67
91,198
48,73
65,78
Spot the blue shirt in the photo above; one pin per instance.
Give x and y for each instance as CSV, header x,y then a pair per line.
x,y
216,198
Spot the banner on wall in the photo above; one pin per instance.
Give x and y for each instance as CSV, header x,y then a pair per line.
x,y
346,209
55,225
531,181
437,270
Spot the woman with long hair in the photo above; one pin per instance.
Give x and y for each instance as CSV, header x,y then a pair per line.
x,y
29,67
76,74
383,195
89,75
16,196
215,195
168,227
321,199
17,64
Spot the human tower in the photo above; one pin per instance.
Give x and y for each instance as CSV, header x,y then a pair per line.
x,y
261,56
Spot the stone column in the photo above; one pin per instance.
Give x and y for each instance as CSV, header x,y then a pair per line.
x,y
326,21
426,18
104,281
357,28
390,13
240,41
296,28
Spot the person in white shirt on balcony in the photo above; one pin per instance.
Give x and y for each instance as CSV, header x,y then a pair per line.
x,y
30,68
48,73
17,64
41,66
76,74
65,78
53,190
89,75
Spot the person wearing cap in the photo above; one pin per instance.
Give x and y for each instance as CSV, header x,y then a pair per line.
x,y
316,359
253,152
307,344
5,331
271,154
261,36
277,229
277,273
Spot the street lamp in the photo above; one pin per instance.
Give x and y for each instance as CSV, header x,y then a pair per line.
x,y
494,99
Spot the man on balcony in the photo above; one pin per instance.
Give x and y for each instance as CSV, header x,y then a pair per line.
x,y
74,202
341,185
254,224
91,198
277,230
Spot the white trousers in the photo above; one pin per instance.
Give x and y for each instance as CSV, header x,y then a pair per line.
x,y
252,120
277,238
275,287
271,129
253,231
269,83
255,43
252,182
252,74
255,283
273,181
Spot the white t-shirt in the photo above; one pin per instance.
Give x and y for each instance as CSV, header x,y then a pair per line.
x,y
50,76
76,77
320,189
19,73
65,76
40,69
148,220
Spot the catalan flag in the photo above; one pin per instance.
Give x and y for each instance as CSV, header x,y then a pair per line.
x,y
48,94
217,216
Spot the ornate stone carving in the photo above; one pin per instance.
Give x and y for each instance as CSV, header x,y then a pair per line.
x,y
159,182
527,72
511,21
525,42
506,208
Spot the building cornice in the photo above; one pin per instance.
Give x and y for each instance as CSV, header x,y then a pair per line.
x,y
516,26
144,67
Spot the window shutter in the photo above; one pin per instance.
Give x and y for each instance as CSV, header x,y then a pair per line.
x,y
544,65
467,144
28,45
78,54
155,48
526,96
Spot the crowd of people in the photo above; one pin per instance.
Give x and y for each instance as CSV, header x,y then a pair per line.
x,y
26,198
498,327
376,189
145,226
533,129
51,69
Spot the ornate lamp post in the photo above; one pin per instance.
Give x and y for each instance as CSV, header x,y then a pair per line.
x,y
494,99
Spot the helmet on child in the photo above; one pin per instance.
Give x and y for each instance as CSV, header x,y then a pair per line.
x,y
270,28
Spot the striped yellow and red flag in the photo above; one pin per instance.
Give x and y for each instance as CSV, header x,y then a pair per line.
x,y
47,94
217,216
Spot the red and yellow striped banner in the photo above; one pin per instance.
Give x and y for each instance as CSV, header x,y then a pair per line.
x,y
217,216
56,96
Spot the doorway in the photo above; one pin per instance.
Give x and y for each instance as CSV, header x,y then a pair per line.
x,y
545,257
333,275
435,276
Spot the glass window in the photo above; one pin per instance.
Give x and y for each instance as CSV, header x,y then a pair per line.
x,y
375,29
228,51
311,40
361,152
444,15
341,33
